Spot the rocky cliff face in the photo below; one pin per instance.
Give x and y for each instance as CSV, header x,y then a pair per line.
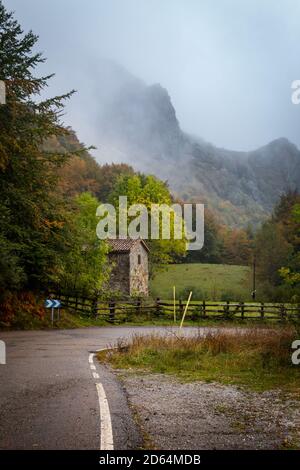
x,y
243,186
138,124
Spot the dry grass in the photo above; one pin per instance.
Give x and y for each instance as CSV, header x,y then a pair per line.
x,y
258,358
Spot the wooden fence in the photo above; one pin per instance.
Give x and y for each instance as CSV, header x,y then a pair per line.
x,y
129,309
236,310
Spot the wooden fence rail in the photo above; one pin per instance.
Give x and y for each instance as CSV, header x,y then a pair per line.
x,y
118,310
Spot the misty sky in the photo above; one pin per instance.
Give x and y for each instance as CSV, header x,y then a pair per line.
x,y
227,64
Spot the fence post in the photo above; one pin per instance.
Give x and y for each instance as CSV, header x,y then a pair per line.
x,y
204,308
138,305
226,309
282,312
94,306
112,310
262,310
158,306
180,308
242,310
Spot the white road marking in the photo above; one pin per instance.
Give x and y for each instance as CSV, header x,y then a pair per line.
x,y
91,358
106,434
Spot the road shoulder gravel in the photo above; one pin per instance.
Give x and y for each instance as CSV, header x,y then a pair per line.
x,y
174,415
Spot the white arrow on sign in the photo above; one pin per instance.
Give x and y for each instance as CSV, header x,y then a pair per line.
x,y
52,303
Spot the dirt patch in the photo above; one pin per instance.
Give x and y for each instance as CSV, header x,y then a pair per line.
x,y
200,415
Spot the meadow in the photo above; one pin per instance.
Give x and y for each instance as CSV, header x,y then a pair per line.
x,y
207,281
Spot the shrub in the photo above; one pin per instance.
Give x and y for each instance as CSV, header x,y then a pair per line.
x,y
198,293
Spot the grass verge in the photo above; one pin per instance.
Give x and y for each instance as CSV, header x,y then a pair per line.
x,y
256,358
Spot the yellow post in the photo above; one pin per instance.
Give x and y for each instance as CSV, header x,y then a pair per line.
x,y
185,310
174,300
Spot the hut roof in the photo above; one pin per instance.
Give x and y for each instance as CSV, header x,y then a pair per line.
x,y
123,245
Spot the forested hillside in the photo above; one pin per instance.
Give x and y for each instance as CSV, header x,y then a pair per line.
x,y
82,172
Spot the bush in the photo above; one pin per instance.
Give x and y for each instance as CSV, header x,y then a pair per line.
x,y
283,293
22,310
198,293
228,296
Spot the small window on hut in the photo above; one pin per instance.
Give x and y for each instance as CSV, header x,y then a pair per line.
x,y
139,259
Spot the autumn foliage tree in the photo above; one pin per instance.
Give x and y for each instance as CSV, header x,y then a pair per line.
x,y
277,247
236,246
148,190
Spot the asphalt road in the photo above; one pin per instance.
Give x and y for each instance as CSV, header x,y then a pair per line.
x,y
49,397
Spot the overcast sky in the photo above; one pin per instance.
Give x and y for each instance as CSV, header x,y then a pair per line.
x,y
227,64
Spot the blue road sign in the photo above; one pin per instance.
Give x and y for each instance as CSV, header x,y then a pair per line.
x,y
52,303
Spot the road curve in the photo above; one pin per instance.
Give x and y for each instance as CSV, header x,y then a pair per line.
x,y
49,397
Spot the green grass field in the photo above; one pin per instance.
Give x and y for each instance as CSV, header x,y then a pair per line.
x,y
207,281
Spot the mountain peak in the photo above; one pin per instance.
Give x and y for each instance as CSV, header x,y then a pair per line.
x,y
282,142
140,124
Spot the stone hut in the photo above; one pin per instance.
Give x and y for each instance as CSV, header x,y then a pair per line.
x,y
129,260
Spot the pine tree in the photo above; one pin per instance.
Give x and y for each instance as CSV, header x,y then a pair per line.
x,y
33,219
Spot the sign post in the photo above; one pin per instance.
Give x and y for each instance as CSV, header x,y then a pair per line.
x,y
174,302
2,92
53,303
